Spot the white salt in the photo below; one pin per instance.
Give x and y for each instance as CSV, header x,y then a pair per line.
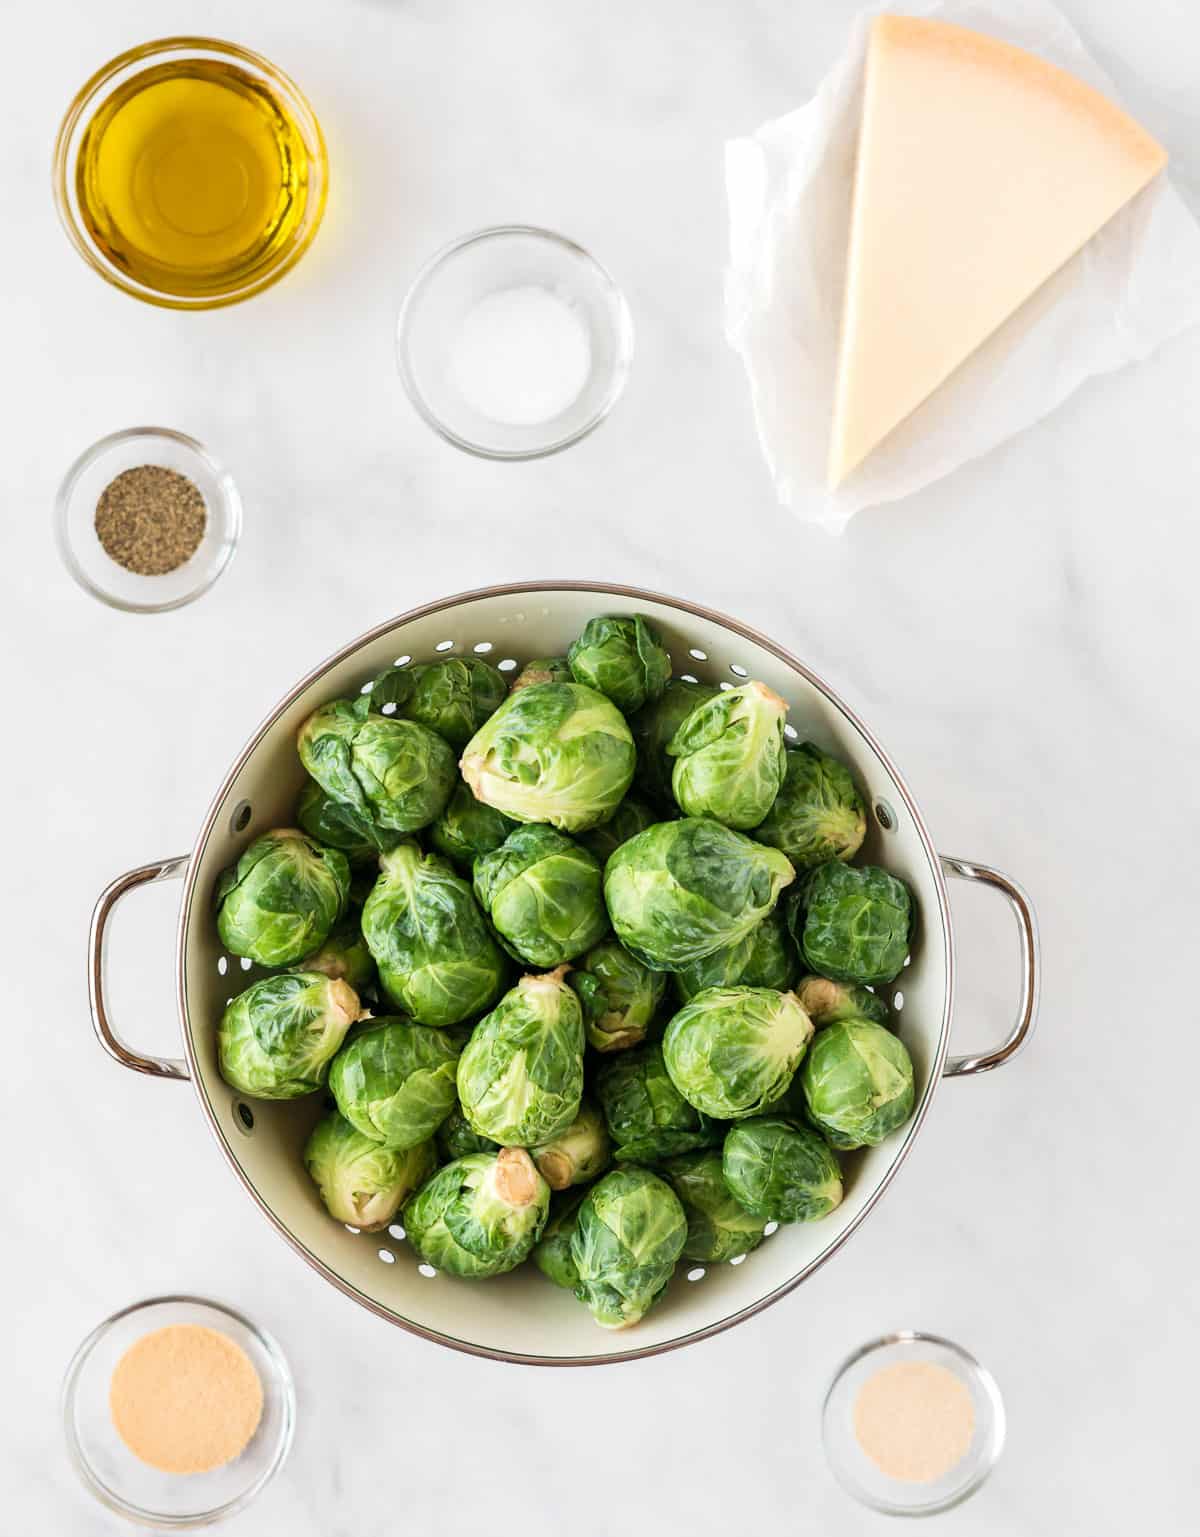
x,y
521,356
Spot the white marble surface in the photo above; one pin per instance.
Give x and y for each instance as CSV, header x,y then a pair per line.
x,y
1022,636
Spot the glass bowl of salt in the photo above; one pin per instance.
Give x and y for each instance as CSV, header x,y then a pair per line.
x,y
912,1424
513,342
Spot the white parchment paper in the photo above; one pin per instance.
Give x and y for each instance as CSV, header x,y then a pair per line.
x,y
789,189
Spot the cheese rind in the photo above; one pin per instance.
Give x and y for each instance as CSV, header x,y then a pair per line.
x,y
981,170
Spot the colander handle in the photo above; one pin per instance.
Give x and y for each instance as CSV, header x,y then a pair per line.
x,y
157,1067
1031,967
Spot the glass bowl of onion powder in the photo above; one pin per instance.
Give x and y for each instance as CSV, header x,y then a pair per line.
x,y
146,520
912,1424
513,342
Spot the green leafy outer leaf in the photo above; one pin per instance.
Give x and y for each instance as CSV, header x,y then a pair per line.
x,y
544,895
622,658
395,773
818,813
436,956
628,1234
683,889
630,818
719,1228
576,1156
653,727
620,995
452,696
361,1181
858,1083
276,1039
466,828
340,827
781,1171
647,1117
730,756
733,1051
552,1256
853,924
553,752
344,956
474,1218
826,1002
765,957
455,1139
543,669
395,1081
520,1077
281,898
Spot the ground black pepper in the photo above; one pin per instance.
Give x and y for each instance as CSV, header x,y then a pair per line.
x,y
151,519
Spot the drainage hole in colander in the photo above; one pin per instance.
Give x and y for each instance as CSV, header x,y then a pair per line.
x,y
444,645
402,661
697,1274
701,656
725,684
388,709
737,1259
771,1227
354,1230
482,647
738,670
367,687
222,965
244,1117
387,1256
240,820
396,1230
898,1001
908,960
885,816
246,963
507,665
790,732
689,677
427,1271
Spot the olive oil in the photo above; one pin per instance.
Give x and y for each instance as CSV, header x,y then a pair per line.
x,y
193,177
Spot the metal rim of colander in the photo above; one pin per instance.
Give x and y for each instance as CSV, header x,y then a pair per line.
x,y
635,595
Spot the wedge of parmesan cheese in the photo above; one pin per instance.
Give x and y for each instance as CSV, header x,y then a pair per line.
x,y
981,170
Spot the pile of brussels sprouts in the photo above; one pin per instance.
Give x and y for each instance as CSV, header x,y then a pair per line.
x,y
606,1000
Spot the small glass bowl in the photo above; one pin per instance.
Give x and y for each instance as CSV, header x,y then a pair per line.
x,y
131,1487
125,67
485,263
856,1472
75,520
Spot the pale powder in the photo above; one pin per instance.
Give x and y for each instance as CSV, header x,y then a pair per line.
x,y
185,1398
914,1420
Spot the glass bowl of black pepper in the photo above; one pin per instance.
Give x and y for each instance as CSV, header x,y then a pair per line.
x,y
147,520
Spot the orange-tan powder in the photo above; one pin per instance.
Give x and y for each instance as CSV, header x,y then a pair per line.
x,y
914,1420
185,1398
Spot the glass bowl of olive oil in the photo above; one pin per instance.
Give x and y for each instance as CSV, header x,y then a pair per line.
x,y
190,173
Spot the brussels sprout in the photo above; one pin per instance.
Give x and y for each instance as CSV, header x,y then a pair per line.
x,y
733,1051
543,669
630,818
436,956
647,1117
281,898
818,813
338,827
552,1255
576,1155
629,1232
620,996
623,658
719,1229
781,1171
766,957
653,727
520,1078
467,828
553,752
276,1040
395,1081
858,1083
361,1181
455,1139
826,1002
344,956
852,924
544,895
681,890
480,1215
730,757
452,696
396,773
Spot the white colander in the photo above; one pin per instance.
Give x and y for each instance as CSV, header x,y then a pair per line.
x,y
521,1317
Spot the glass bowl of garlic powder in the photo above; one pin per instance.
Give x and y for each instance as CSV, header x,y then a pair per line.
x,y
912,1424
178,1412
